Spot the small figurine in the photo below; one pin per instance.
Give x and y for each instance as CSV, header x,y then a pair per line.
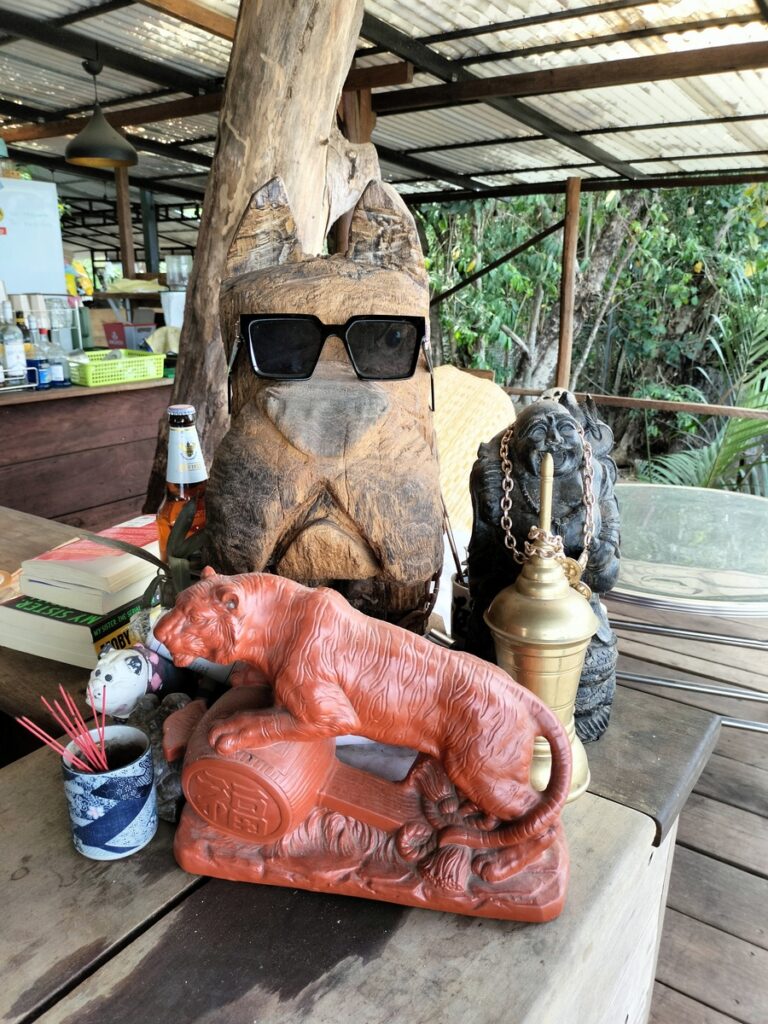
x,y
505,489
124,676
269,801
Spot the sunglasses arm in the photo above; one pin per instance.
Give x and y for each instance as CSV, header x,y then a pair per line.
x,y
230,366
425,344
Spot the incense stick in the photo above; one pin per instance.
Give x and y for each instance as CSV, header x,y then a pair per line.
x,y
52,743
91,754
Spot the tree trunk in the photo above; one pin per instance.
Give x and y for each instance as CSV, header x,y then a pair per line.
x,y
288,65
589,289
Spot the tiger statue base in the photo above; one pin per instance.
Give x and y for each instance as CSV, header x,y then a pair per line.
x,y
293,814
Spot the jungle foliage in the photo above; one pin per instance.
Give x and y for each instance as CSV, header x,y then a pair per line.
x,y
671,301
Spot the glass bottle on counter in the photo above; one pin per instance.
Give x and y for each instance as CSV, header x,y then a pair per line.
x,y
57,357
21,323
38,365
186,477
14,357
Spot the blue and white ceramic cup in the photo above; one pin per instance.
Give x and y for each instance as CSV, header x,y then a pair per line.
x,y
113,813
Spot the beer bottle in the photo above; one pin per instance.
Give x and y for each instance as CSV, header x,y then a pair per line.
x,y
185,478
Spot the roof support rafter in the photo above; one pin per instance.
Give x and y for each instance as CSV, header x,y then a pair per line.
x,y
512,140
615,37
536,19
555,188
422,57
58,163
428,169
192,13
712,60
87,48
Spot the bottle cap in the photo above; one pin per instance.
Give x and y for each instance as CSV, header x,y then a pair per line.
x,y
181,410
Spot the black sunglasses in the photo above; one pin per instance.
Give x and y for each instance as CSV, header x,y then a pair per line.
x,y
287,346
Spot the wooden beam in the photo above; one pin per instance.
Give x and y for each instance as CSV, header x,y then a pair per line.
x,y
660,405
553,188
591,42
87,48
428,169
714,60
426,59
210,103
568,281
188,107
192,13
149,230
124,221
400,73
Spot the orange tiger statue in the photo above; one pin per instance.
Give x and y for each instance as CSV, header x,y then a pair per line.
x,y
333,671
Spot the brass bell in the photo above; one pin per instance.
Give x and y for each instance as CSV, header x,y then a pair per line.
x,y
541,627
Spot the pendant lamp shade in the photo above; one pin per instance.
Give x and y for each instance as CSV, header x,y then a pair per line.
x,y
99,145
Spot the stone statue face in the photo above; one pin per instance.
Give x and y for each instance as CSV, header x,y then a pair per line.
x,y
547,427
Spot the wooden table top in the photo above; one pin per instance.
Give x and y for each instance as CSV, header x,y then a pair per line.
x,y
139,939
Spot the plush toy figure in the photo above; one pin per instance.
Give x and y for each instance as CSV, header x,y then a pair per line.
x,y
126,675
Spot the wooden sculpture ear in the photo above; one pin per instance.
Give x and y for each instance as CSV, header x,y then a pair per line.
x,y
266,235
383,232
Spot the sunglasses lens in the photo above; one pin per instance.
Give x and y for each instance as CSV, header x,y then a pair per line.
x,y
285,349
384,349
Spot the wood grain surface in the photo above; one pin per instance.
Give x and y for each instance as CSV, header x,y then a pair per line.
x,y
720,895
671,1007
651,755
714,968
63,913
282,956
727,833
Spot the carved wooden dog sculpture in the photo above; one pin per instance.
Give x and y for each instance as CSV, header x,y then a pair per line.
x,y
335,671
332,479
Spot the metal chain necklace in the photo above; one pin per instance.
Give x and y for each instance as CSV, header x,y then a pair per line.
x,y
576,566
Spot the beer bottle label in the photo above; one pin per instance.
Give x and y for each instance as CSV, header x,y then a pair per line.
x,y
185,460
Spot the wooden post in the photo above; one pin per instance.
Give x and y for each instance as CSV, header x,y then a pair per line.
x,y
149,230
286,73
568,281
357,123
124,223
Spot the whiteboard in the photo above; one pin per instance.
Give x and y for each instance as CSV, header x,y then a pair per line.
x,y
31,254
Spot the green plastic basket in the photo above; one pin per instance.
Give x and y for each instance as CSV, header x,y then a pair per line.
x,y
104,368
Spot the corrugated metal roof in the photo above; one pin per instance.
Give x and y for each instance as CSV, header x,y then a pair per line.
x,y
476,140
157,37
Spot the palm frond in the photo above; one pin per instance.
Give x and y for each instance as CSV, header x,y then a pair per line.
x,y
733,458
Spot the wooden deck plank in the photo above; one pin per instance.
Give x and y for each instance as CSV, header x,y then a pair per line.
x,y
714,968
671,1007
746,747
735,784
720,895
747,626
728,833
732,666
731,706
664,762
62,913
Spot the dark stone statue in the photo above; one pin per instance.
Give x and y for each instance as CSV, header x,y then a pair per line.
x,y
580,444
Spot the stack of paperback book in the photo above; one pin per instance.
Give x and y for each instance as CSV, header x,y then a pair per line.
x,y
69,602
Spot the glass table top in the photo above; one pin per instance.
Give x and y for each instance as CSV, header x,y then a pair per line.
x,y
694,548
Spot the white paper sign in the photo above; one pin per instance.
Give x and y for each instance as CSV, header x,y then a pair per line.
x,y
31,254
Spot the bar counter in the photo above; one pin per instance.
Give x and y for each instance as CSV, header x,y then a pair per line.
x,y
80,455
